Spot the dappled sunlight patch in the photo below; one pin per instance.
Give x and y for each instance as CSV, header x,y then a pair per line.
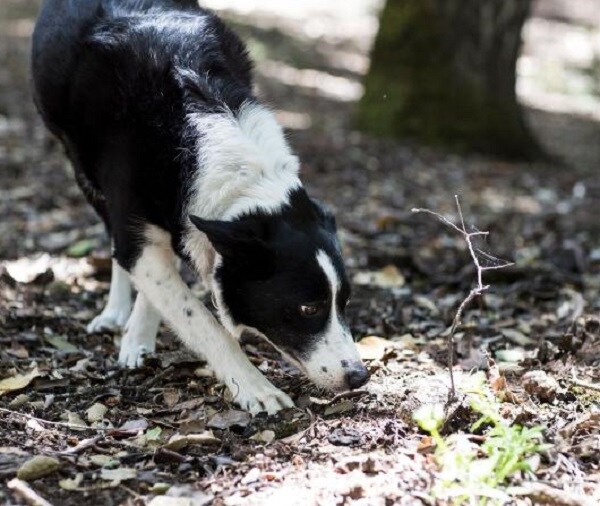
x,y
293,120
321,83
27,269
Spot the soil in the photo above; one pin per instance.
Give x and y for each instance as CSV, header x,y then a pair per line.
x,y
169,426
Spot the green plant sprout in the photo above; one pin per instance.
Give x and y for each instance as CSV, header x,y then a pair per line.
x,y
475,474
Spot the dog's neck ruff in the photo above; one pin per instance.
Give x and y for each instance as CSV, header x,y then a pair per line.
x,y
245,165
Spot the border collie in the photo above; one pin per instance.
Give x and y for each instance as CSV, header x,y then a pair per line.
x,y
153,102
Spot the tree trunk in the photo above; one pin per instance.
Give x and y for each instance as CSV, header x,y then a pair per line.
x,y
444,72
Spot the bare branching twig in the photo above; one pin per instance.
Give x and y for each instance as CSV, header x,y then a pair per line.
x,y
476,256
72,426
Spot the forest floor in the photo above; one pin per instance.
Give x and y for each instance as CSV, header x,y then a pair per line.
x,y
527,354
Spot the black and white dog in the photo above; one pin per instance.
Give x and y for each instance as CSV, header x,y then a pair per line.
x,y
153,102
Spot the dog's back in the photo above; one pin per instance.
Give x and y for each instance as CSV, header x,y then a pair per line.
x,y
112,80
61,41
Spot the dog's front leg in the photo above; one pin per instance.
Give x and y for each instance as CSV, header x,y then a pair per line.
x,y
140,333
118,307
156,276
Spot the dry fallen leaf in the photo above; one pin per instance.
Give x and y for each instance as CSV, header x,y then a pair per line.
x,y
96,412
426,444
178,441
340,407
60,343
116,476
74,418
18,401
589,422
18,382
388,277
541,385
171,396
265,436
499,385
71,483
102,460
36,467
372,347
228,419
517,337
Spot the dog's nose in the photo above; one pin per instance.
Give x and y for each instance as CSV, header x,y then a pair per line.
x,y
356,375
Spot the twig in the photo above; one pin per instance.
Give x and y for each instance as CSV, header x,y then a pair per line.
x,y
83,445
29,495
350,394
478,290
294,438
67,425
583,384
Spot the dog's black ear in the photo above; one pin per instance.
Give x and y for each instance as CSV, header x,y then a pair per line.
x,y
307,208
231,238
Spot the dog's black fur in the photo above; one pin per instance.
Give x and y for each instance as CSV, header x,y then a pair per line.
x,y
116,81
117,96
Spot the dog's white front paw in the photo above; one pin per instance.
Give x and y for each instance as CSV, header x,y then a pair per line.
x,y
109,319
264,396
134,349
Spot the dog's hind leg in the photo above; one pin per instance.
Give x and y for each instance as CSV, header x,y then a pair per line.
x,y
140,333
118,307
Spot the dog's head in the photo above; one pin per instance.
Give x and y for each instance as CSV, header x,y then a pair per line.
x,y
281,276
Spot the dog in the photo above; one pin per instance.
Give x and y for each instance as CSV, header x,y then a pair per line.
x,y
153,103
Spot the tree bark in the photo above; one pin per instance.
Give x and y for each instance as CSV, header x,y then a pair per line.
x,y
444,72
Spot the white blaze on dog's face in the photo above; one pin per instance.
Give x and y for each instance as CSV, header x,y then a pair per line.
x,y
282,276
333,360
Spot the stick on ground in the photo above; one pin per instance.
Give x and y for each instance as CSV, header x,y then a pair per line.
x,y
25,492
476,256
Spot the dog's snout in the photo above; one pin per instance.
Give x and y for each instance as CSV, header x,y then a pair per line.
x,y
356,374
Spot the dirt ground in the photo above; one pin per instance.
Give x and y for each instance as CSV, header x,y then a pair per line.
x,y
168,434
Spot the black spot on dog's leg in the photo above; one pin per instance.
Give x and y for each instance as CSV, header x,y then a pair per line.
x,y
324,369
188,312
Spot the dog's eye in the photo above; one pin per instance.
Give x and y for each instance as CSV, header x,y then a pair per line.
x,y
312,309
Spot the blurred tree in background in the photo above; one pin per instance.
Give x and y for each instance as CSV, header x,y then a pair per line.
x,y
444,72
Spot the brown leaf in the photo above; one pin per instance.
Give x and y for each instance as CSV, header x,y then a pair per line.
x,y
388,277
18,382
178,441
372,347
189,405
228,419
340,407
171,396
426,444
539,384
